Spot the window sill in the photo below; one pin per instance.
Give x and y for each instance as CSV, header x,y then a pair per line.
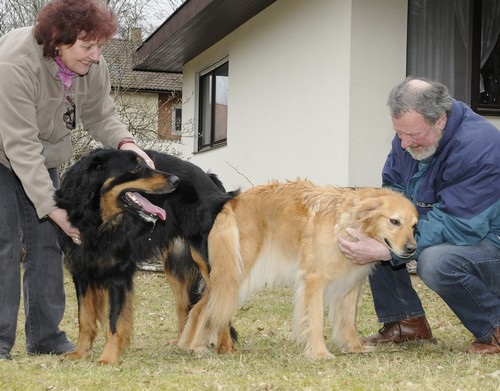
x,y
211,148
488,110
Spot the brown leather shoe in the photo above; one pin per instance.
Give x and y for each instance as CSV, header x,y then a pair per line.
x,y
491,347
413,329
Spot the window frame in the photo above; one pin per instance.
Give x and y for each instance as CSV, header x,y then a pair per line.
x,y
476,24
176,120
211,70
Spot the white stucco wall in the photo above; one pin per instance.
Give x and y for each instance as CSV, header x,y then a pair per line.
x,y
378,62
494,120
307,88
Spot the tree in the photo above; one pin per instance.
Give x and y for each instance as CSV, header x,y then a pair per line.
x,y
147,14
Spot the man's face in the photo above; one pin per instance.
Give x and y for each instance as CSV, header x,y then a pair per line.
x,y
418,137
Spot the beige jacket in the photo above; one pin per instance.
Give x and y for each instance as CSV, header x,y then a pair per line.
x,y
33,135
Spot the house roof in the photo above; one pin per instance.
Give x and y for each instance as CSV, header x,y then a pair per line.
x,y
119,56
192,28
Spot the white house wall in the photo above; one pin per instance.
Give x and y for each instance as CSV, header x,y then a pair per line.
x,y
308,82
139,109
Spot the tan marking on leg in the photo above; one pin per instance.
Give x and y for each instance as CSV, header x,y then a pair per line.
x,y
117,343
91,310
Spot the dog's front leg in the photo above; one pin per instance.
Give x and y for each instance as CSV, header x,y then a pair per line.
x,y
314,322
119,330
90,310
343,311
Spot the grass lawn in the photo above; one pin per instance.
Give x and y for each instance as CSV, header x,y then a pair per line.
x,y
267,358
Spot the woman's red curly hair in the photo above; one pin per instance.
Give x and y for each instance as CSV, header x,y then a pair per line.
x,y
61,22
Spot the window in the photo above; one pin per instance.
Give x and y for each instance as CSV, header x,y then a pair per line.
x,y
213,92
457,43
177,120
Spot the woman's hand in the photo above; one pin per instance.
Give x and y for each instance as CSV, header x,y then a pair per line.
x,y
60,217
364,250
139,151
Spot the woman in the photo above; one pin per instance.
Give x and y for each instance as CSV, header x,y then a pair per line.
x,y
53,75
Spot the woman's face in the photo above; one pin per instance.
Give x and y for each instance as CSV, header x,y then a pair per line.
x,y
81,55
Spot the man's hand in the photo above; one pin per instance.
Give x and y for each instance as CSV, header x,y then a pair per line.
x,y
364,250
60,217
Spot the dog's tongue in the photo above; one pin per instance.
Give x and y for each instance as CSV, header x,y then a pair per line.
x,y
149,207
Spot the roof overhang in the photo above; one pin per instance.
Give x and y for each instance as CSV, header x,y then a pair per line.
x,y
191,29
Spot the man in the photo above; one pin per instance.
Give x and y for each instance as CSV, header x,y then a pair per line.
x,y
446,159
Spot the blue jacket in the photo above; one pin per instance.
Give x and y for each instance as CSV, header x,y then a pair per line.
x,y
457,190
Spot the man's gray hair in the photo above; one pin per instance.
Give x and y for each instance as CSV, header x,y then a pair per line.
x,y
427,97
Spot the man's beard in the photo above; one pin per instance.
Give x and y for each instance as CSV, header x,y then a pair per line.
x,y
427,152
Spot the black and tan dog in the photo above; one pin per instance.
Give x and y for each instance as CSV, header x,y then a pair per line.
x,y
127,213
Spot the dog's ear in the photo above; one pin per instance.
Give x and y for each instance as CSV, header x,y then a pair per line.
x,y
81,183
366,209
97,160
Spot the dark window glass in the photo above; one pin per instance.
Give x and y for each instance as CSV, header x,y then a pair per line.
x,y
214,89
456,42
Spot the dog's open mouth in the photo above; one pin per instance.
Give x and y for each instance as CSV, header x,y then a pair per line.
x,y
144,208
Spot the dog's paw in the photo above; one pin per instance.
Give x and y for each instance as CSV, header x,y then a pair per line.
x,y
108,360
200,350
366,349
223,348
174,342
322,354
76,355
359,349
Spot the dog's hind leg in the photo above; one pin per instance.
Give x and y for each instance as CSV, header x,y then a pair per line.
x,y
181,300
91,308
202,265
119,330
194,334
183,277
226,340
225,276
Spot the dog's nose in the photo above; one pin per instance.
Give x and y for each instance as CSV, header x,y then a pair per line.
x,y
174,180
410,249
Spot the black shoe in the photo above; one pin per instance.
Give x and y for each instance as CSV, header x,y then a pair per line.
x,y
64,347
5,356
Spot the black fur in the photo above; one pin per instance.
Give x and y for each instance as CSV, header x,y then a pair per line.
x,y
113,246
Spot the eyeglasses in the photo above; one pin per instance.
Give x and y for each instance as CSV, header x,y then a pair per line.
x,y
69,117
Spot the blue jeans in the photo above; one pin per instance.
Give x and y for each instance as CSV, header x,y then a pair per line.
x,y
467,278
43,279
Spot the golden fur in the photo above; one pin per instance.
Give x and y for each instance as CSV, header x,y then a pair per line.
x,y
286,233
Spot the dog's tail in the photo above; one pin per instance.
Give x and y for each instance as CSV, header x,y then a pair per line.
x,y
226,268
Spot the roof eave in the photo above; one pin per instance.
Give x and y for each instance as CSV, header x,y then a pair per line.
x,y
191,29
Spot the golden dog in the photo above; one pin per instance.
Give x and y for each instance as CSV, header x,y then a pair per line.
x,y
286,233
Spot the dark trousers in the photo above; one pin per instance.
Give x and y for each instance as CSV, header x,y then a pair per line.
x,y
467,278
43,280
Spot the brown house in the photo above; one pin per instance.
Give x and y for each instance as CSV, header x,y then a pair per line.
x,y
149,102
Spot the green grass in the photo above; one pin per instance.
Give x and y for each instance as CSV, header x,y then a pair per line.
x,y
267,358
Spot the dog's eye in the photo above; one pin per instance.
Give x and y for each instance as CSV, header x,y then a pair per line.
x,y
137,168
395,222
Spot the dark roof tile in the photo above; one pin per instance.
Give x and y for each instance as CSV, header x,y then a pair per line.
x,y
119,54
